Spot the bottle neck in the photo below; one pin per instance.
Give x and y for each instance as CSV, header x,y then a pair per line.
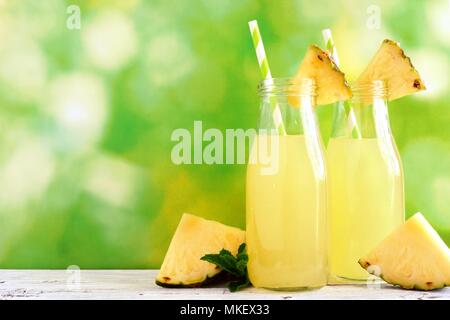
x,y
287,102
365,115
287,88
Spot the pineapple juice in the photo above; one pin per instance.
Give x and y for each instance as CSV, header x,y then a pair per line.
x,y
366,201
286,212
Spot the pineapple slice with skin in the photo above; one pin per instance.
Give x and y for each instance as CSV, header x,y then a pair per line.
x,y
412,257
193,238
330,82
390,64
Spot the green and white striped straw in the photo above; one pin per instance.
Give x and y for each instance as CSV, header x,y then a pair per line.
x,y
352,125
329,43
265,72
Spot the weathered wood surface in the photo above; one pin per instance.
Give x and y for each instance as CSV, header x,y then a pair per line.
x,y
139,284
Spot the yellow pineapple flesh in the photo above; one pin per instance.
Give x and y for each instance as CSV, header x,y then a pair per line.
x,y
412,257
193,238
330,82
390,64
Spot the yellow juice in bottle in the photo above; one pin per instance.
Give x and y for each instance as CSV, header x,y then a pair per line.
x,y
286,216
366,202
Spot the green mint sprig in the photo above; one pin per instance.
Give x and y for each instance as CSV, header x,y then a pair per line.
x,y
235,266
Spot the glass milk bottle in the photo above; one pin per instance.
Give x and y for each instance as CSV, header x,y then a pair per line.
x,y
365,179
286,191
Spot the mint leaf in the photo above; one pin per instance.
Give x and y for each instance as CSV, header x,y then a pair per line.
x,y
224,260
235,266
241,266
239,285
241,249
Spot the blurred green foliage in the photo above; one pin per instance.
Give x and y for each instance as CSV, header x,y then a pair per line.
x,y
86,114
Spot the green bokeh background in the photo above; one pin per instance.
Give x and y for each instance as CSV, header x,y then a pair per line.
x,y
86,115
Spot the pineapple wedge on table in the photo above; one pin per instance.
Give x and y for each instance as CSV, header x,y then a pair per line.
x,y
412,257
330,82
390,64
193,238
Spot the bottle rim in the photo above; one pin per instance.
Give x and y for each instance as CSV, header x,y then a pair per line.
x,y
294,86
374,89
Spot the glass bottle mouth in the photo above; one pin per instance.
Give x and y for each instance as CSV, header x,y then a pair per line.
x,y
376,89
283,87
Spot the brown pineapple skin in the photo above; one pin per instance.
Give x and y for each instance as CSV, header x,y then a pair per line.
x,y
418,287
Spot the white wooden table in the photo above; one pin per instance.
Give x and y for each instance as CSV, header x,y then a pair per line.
x,y
139,284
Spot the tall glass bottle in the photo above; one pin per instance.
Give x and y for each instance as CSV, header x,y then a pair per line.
x,y
286,191
365,176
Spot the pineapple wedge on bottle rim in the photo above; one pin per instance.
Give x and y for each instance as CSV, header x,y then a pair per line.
x,y
330,82
391,65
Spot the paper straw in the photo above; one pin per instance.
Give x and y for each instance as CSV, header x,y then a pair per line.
x,y
265,72
329,44
332,51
